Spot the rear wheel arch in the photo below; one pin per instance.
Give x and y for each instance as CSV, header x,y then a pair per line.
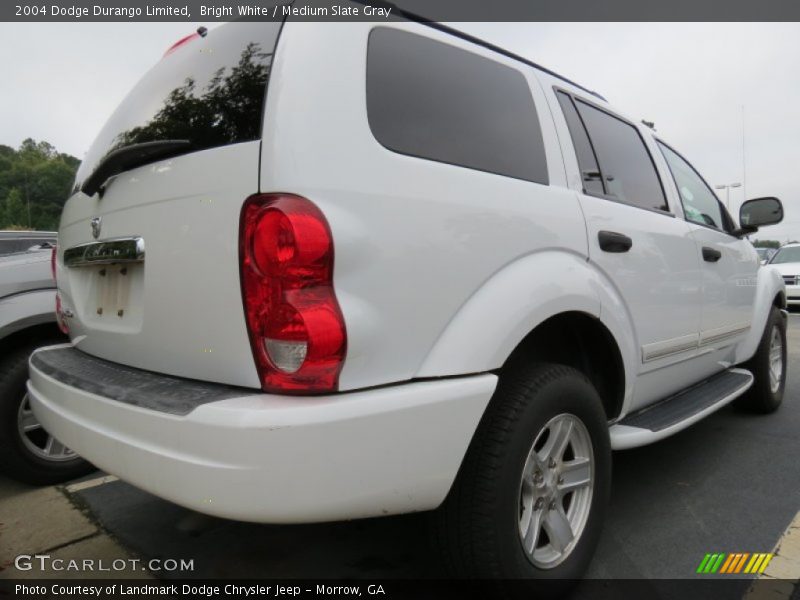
x,y
581,341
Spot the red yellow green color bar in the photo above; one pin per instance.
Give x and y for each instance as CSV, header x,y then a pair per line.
x,y
736,562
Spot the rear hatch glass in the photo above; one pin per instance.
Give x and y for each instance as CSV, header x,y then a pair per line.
x,y
209,90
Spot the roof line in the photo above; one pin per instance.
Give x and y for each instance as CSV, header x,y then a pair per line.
x,y
479,42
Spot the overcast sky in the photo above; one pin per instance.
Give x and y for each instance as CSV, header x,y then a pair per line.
x,y
699,83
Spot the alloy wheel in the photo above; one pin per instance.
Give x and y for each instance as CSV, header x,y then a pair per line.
x,y
556,491
36,439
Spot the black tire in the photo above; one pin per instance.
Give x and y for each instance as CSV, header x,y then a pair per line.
x,y
763,397
477,529
16,459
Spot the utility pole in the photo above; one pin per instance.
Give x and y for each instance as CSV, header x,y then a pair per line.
x,y
727,187
744,163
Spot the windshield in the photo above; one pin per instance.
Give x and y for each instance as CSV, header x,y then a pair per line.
x,y
786,255
210,91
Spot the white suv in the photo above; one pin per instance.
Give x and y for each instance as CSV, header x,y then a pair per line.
x,y
331,271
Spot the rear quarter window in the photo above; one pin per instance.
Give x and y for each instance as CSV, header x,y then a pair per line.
x,y
431,100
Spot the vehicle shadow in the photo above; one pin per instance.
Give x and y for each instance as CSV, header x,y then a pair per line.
x,y
700,491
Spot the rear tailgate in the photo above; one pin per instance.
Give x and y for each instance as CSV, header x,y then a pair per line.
x,y
176,308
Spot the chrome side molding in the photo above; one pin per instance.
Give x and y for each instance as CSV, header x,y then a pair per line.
x,y
693,341
711,336
105,252
669,347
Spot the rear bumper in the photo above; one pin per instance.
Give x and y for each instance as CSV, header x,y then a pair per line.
x,y
277,459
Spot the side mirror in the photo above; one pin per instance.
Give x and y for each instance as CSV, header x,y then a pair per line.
x,y
759,212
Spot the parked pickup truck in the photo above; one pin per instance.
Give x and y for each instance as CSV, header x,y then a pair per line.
x,y
317,272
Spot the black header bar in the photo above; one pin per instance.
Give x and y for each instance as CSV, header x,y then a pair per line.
x,y
211,11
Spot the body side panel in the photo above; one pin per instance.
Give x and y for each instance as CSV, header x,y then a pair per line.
x,y
415,239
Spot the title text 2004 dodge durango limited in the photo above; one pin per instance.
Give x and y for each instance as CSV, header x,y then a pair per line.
x,y
330,271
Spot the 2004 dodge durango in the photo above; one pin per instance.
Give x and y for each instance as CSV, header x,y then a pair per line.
x,y
329,271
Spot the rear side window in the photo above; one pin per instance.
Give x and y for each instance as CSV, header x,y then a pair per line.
x,y
209,91
587,161
431,100
619,161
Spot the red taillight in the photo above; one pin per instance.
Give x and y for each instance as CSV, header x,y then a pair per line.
x,y
60,318
180,43
296,328
53,256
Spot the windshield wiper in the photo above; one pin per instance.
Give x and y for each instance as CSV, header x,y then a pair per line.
x,y
127,157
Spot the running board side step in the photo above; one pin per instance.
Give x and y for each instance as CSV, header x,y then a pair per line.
x,y
678,412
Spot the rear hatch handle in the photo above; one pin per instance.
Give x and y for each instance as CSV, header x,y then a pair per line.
x,y
105,252
128,157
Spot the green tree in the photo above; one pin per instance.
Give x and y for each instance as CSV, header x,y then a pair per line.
x,y
766,243
35,181
14,209
227,109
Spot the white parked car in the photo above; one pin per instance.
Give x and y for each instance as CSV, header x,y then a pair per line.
x,y
28,321
765,254
787,262
413,272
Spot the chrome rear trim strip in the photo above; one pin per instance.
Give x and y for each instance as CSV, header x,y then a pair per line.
x,y
105,252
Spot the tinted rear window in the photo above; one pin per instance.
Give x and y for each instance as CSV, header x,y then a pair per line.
x,y
627,168
210,91
590,172
432,100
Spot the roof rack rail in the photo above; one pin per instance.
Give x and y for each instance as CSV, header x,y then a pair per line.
x,y
475,40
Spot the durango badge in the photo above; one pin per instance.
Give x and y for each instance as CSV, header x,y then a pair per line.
x,y
97,223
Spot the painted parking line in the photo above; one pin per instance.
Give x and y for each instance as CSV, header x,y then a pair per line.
x,y
783,570
90,483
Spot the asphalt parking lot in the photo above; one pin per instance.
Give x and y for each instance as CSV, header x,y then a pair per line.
x,y
729,484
